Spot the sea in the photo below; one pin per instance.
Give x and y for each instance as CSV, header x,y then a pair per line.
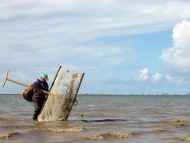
x,y
100,119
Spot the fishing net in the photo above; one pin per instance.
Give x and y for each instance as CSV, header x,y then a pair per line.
x,y
62,96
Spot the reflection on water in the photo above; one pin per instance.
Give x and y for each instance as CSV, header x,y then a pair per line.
x,y
106,119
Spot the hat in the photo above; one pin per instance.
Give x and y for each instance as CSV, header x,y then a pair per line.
x,y
44,75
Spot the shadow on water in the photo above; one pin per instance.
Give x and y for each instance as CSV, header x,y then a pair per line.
x,y
103,120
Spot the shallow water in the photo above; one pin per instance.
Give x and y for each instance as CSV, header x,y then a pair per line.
x,y
103,119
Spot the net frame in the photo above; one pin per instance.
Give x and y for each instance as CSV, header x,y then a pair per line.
x,y
56,103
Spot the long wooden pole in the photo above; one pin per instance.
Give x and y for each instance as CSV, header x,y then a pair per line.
x,y
55,77
17,82
22,84
75,96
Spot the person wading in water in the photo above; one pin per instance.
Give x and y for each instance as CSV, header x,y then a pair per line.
x,y
35,93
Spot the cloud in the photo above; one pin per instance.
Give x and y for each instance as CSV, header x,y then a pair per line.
x,y
38,35
101,16
146,75
157,76
178,56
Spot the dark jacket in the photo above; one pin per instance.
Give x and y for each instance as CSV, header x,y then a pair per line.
x,y
40,84
38,96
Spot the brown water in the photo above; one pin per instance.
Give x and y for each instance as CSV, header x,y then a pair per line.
x,y
102,119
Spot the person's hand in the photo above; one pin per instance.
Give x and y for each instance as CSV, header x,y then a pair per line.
x,y
45,94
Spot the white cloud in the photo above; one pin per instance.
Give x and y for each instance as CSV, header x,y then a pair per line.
x,y
147,75
157,76
102,17
44,33
178,56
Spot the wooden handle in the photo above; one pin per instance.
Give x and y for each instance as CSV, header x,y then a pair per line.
x,y
25,85
17,82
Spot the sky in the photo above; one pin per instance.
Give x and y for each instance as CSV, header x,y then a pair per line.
x,y
123,46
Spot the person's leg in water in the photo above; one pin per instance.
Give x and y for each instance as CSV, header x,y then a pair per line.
x,y
37,110
38,101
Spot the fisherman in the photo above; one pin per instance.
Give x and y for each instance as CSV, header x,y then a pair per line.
x,y
39,97
36,93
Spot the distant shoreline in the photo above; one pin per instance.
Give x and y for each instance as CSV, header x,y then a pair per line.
x,y
87,94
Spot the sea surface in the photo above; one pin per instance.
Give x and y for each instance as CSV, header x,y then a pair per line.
x,y
102,119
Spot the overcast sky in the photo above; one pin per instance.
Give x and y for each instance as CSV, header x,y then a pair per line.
x,y
123,46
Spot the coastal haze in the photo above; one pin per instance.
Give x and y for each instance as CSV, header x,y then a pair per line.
x,y
100,118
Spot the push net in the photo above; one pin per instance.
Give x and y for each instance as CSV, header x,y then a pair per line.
x,y
62,96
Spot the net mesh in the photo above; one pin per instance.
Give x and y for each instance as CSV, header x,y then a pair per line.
x,y
62,96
